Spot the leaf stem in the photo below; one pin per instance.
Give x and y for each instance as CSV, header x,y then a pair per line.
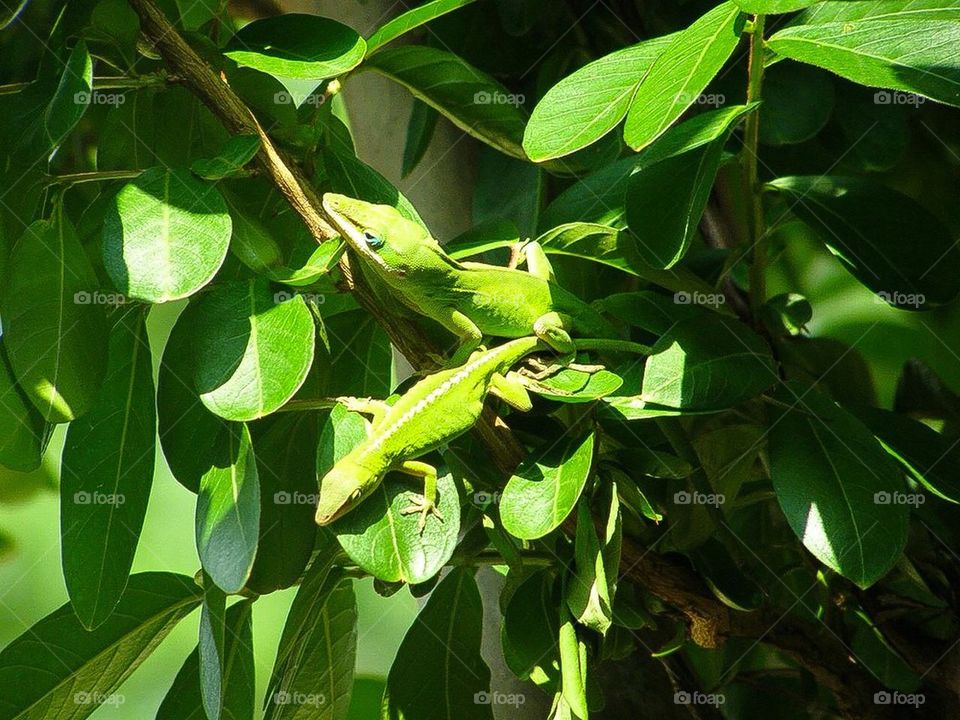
x,y
757,236
85,177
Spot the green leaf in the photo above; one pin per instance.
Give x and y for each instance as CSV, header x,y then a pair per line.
x,y
911,55
72,97
469,98
887,240
286,450
361,354
183,702
726,580
577,386
10,11
837,487
649,310
165,236
189,433
590,590
253,349
55,335
313,674
530,626
585,106
59,666
681,72
295,48
423,121
228,512
666,199
350,176
106,476
23,431
927,455
482,238
797,104
438,672
772,7
377,536
211,646
410,20
237,152
546,487
707,363
847,10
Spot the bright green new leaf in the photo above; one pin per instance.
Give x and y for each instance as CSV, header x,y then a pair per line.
x,y
58,664
911,55
412,19
54,326
469,98
183,701
253,349
707,363
576,386
546,487
297,49
315,660
106,476
72,97
681,73
588,104
843,496
228,512
887,240
165,236
590,590
772,7
439,672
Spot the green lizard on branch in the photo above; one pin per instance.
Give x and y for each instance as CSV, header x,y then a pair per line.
x,y
472,300
430,414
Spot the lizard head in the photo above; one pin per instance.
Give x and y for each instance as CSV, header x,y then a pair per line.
x,y
387,241
346,485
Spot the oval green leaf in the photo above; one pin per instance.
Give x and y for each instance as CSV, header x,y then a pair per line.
x,y
681,72
106,475
438,671
228,512
546,487
412,19
23,431
585,106
54,331
72,97
842,495
253,349
915,56
165,236
469,98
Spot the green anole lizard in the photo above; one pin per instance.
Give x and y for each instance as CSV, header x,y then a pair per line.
x,y
430,414
472,300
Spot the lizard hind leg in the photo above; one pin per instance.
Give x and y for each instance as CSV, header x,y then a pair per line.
x,y
425,504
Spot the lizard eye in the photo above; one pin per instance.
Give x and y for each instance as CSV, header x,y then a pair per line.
x,y
373,240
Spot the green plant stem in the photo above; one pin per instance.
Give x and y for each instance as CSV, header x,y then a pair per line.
x,y
85,177
307,404
757,238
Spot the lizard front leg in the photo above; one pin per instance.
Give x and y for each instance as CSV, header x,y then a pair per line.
x,y
376,409
538,264
465,329
425,504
